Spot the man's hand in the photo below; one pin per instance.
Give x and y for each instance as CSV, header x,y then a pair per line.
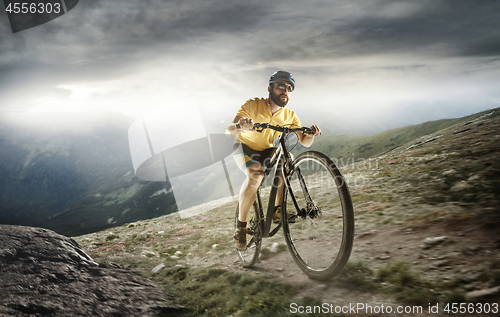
x,y
246,124
307,139
239,124
316,130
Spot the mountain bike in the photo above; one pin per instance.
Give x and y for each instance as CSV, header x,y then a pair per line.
x,y
317,214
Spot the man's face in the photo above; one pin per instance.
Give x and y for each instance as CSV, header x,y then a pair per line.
x,y
278,95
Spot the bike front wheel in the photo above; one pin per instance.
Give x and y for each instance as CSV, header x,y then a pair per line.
x,y
321,234
251,254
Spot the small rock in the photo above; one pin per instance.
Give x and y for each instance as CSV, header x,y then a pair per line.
x,y
158,267
430,242
474,248
160,232
443,263
469,278
449,255
460,186
483,293
274,247
384,257
214,246
178,253
473,178
472,286
280,269
365,234
175,257
148,254
449,172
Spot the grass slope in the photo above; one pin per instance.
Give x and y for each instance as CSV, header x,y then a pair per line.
x,y
346,148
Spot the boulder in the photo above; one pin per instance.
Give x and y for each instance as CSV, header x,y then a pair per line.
x,y
44,273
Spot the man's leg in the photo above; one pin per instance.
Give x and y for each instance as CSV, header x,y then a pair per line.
x,y
279,194
247,197
278,201
249,190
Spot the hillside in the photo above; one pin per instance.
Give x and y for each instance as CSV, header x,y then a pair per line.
x,y
427,219
79,178
346,148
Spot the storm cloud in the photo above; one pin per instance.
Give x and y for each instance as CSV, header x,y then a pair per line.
x,y
346,56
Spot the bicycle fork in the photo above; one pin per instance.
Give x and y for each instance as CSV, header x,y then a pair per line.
x,y
310,208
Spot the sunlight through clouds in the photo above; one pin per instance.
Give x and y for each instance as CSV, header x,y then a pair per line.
x,y
362,59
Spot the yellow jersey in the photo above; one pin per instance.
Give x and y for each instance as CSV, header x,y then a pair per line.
x,y
259,110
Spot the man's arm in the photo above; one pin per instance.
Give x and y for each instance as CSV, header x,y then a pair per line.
x,y
308,139
239,124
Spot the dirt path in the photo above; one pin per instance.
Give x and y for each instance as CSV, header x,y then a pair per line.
x,y
470,248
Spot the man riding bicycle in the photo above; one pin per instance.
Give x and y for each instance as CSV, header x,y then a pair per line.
x,y
257,147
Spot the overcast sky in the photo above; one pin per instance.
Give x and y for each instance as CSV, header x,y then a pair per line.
x,y
411,61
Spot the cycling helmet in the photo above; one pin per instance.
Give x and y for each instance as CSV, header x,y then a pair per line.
x,y
282,75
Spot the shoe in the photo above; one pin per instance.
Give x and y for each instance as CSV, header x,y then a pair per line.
x,y
240,238
277,215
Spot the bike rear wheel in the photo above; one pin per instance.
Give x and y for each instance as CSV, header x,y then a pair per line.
x,y
250,255
320,240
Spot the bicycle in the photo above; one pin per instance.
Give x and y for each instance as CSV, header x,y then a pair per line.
x,y
319,229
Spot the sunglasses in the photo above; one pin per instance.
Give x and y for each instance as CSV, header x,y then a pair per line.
x,y
284,86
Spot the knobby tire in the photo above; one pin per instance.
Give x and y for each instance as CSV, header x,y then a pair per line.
x,y
321,237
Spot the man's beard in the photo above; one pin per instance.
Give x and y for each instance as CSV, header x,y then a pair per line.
x,y
277,99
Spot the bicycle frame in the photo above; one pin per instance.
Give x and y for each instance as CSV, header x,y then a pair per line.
x,y
281,157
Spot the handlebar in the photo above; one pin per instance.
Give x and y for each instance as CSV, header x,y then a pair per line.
x,y
263,126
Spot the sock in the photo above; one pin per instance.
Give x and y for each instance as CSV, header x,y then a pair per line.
x,y
241,224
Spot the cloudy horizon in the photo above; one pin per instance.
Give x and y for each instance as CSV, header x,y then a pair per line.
x,y
405,61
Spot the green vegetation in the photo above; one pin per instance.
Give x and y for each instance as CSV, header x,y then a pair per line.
x,y
216,292
407,285
359,276
347,149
